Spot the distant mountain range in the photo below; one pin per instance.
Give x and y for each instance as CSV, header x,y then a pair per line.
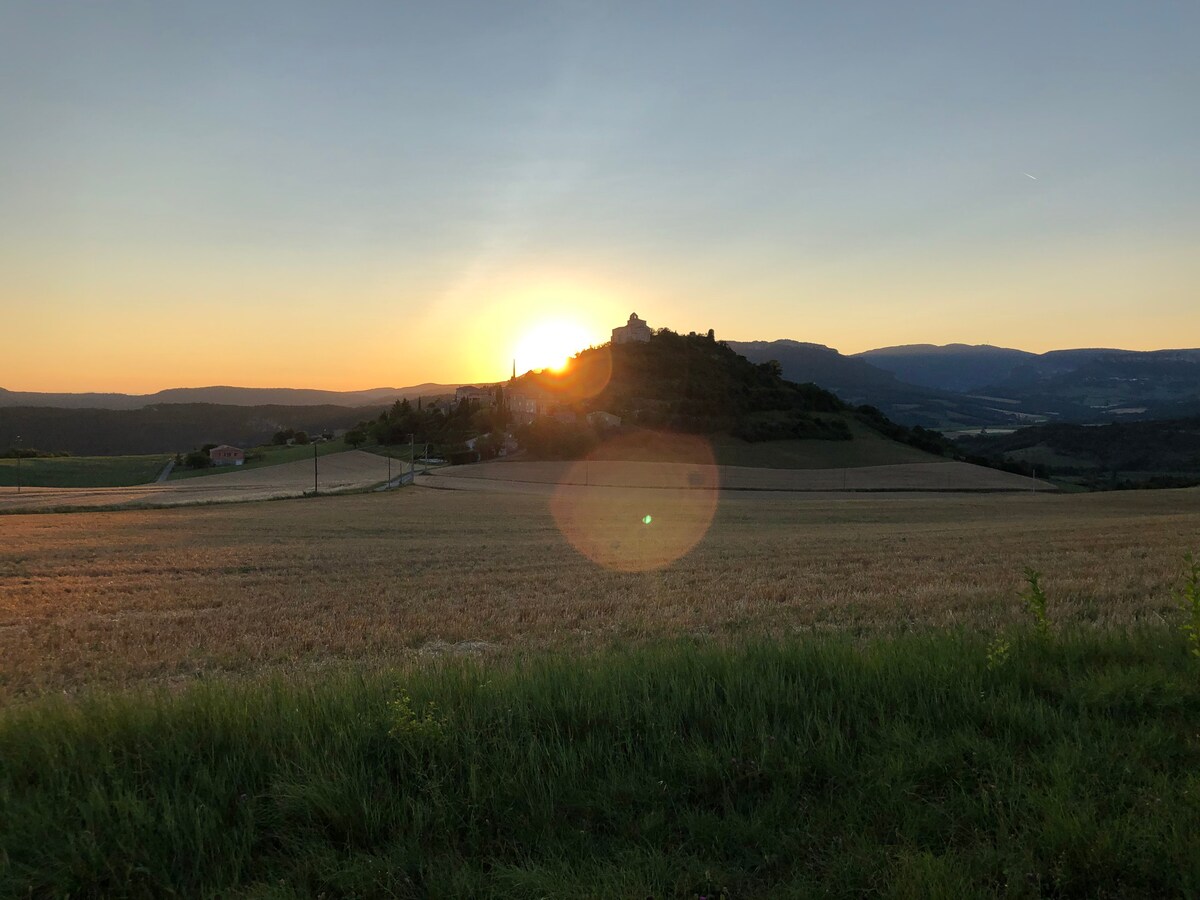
x,y
228,396
959,386
956,387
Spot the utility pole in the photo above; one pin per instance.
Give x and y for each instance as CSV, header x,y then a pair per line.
x,y
314,470
18,464
412,458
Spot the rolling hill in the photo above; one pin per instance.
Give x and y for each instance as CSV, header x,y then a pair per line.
x,y
1085,386
961,368
857,381
227,396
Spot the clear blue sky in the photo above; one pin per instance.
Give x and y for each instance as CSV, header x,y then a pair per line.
x,y
355,194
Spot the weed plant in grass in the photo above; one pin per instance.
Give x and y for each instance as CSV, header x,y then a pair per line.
x,y
901,766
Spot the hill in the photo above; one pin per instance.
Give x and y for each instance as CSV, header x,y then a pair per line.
x,y
227,396
1085,386
857,381
165,428
1109,383
750,412
952,367
691,383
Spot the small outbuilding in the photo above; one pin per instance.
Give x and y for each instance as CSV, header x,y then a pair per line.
x,y
226,455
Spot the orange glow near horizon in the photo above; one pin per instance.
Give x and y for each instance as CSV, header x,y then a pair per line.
x,y
550,344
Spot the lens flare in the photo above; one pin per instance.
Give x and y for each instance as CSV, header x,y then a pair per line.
x,y
601,501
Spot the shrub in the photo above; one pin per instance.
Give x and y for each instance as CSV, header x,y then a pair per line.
x,y
197,459
1188,597
1035,601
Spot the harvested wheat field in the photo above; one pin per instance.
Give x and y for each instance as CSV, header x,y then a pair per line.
x,y
921,476
163,595
336,472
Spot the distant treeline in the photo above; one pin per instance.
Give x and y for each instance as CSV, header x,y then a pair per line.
x,y
166,428
445,428
1122,455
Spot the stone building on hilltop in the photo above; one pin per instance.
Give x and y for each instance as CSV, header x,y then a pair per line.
x,y
633,332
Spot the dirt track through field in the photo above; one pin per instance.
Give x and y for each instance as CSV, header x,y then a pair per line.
x,y
337,472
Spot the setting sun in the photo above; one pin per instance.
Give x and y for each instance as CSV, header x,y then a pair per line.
x,y
550,344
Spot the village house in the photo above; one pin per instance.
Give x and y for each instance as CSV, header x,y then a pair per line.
x,y
484,396
524,406
226,455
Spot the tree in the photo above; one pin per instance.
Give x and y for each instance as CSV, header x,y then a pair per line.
x,y
355,437
198,459
301,437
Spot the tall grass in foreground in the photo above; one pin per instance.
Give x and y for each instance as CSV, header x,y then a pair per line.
x,y
902,766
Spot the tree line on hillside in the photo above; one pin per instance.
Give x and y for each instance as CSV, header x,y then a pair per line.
x,y
445,425
1103,457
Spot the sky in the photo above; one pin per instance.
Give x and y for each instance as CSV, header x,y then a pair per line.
x,y
366,194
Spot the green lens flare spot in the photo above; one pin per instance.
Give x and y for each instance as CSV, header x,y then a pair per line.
x,y
646,520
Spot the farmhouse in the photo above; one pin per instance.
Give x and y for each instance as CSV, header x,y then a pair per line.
x,y
226,455
635,331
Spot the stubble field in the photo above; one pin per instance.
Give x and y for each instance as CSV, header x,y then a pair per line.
x,y
352,470
167,596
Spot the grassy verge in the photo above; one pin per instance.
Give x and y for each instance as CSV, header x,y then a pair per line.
x,y
83,471
916,766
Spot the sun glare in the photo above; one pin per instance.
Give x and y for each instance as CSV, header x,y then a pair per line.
x,y
550,344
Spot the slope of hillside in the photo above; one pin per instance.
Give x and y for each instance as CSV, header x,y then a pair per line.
x,y
1116,382
952,367
857,382
1085,385
749,413
691,383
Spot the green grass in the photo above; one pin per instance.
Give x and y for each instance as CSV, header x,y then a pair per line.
x,y
868,448
269,455
901,767
83,471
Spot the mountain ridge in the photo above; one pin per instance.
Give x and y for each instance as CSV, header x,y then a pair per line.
x,y
225,395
